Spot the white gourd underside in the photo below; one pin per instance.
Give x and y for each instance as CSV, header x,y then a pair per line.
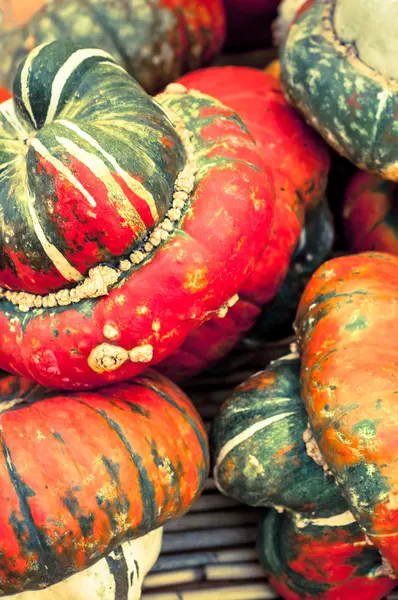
x,y
373,26
97,582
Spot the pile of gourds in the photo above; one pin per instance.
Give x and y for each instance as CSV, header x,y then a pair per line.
x,y
141,231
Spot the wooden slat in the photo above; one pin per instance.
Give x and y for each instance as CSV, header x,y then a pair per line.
x,y
215,501
213,520
255,591
198,540
170,562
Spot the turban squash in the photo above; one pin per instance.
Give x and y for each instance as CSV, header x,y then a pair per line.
x,y
127,221
344,385
82,473
320,559
346,328
339,68
300,163
370,214
155,41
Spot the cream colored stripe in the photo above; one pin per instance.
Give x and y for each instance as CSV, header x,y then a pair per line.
x,y
24,80
116,195
242,437
8,111
345,518
65,72
59,261
42,150
132,183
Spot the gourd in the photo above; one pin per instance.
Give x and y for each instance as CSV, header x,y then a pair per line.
x,y
85,472
345,386
339,68
154,41
320,559
260,457
112,200
370,214
265,455
300,163
116,576
346,327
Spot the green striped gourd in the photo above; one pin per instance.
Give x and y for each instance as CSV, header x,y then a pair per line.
x,y
260,455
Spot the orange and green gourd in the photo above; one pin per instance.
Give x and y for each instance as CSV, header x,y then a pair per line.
x,y
156,41
330,411
370,214
347,326
126,221
309,542
82,473
339,68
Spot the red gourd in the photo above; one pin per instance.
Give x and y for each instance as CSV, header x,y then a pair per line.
x,y
81,473
370,213
299,162
143,218
320,559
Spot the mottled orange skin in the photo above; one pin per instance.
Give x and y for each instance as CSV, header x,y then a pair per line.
x,y
81,473
370,214
299,162
347,329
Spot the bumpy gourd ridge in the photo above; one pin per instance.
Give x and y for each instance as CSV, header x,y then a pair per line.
x,y
102,278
